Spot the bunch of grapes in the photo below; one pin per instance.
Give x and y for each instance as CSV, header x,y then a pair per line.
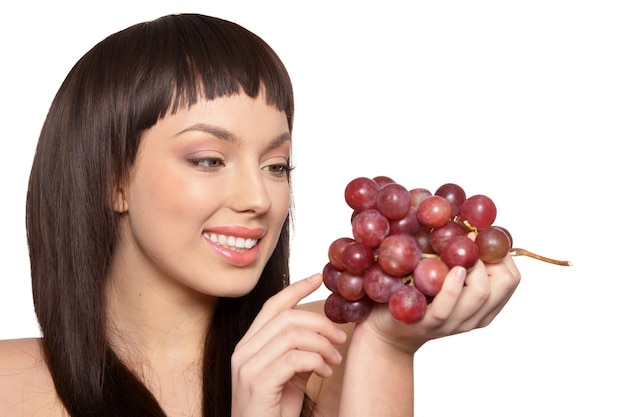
x,y
403,244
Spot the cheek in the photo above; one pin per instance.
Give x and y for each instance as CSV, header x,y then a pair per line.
x,y
281,201
161,192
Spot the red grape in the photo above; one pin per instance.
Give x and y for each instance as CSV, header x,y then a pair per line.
x,y
455,195
423,240
335,251
479,211
429,275
507,233
460,250
357,257
398,254
393,201
417,195
493,244
334,306
440,235
378,284
350,286
408,224
407,304
370,227
434,211
356,311
382,180
330,274
360,193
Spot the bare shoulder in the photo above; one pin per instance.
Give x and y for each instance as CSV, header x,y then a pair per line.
x,y
26,388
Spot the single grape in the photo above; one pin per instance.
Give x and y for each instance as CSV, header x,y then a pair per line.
x,y
398,254
479,211
335,251
393,201
370,227
382,180
378,284
493,244
418,195
460,250
350,286
334,306
429,275
423,240
434,211
408,224
357,257
407,304
330,274
510,236
356,311
455,195
440,235
360,193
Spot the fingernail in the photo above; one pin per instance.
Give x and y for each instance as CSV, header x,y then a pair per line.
x,y
460,274
342,335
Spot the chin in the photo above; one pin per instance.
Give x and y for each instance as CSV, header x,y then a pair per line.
x,y
238,291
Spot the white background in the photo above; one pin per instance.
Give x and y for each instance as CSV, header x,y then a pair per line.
x,y
522,101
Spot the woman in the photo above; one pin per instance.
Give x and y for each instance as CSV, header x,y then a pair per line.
x,y
158,216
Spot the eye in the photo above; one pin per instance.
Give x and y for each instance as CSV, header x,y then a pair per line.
x,y
206,163
279,169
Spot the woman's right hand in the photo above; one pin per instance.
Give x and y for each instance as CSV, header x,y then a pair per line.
x,y
282,349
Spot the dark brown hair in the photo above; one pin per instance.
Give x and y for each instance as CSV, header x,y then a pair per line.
x,y
88,143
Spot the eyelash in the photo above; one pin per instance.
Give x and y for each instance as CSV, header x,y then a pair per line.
x,y
198,162
285,169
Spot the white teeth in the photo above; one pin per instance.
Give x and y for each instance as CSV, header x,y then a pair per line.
x,y
231,242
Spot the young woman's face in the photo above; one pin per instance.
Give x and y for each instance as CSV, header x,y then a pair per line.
x,y
208,196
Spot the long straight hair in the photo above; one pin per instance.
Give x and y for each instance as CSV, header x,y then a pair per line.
x,y
86,148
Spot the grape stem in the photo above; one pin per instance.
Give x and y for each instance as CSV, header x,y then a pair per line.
x,y
469,226
524,252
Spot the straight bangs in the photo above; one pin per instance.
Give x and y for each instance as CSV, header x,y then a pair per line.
x,y
185,58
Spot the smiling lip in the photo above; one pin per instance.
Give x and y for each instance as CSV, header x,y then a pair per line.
x,y
236,245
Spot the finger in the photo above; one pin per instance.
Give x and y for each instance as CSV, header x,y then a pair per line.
x,y
505,278
296,362
511,266
476,292
442,306
298,339
286,323
287,298
276,362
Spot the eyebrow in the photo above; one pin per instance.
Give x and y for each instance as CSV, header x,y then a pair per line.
x,y
227,136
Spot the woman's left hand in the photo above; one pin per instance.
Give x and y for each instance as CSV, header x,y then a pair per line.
x,y
468,300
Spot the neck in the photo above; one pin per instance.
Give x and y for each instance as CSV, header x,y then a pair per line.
x,y
151,322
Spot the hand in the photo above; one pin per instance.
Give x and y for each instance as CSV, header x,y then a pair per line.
x,y
468,300
283,347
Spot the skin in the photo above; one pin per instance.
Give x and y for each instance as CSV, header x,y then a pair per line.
x,y
219,168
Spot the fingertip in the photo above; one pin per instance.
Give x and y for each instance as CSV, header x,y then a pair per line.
x,y
341,334
315,278
325,371
459,273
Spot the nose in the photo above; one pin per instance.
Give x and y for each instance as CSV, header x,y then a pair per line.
x,y
249,192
